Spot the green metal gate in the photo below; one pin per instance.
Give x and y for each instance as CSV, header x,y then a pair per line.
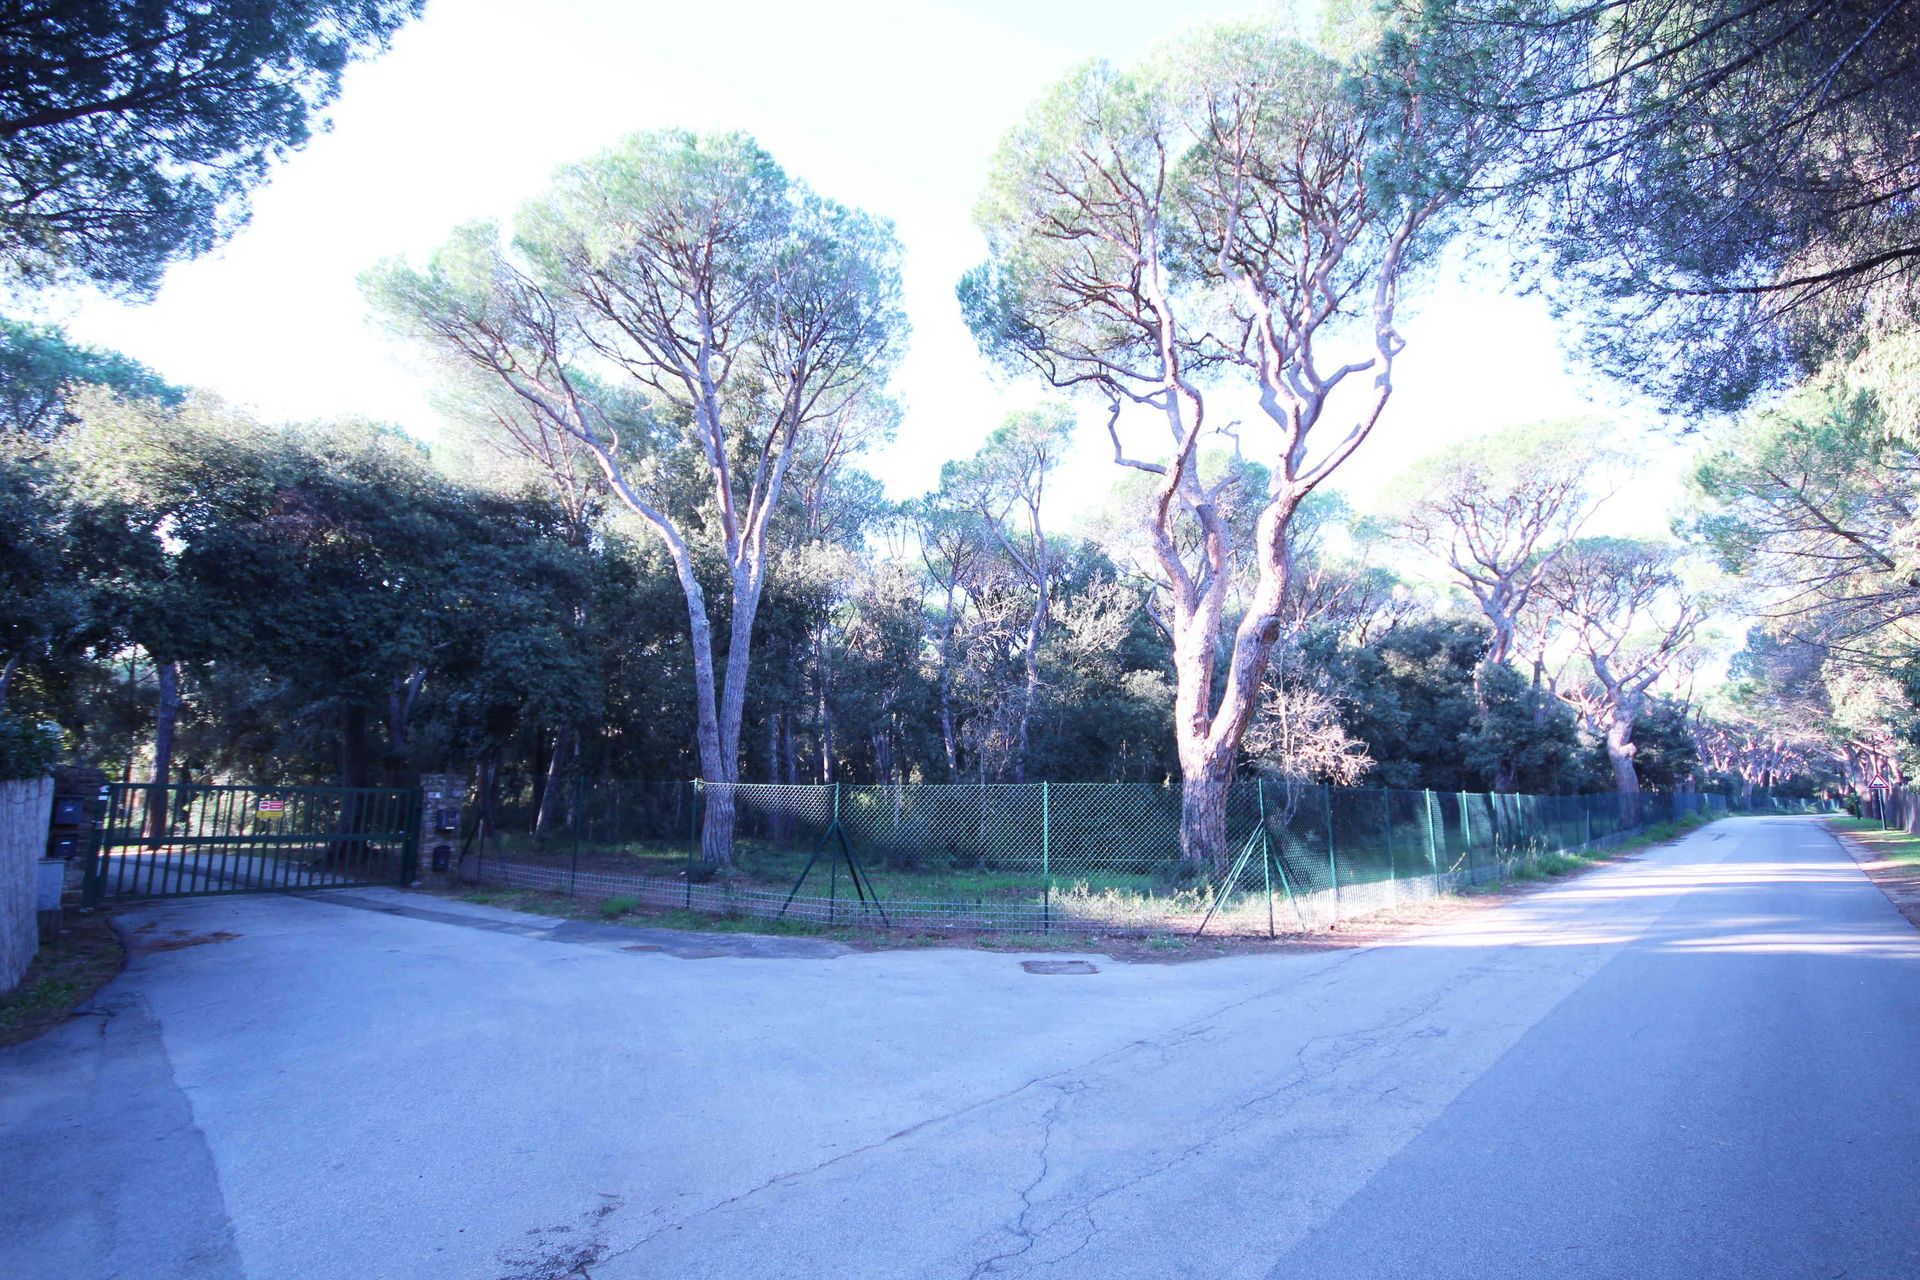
x,y
188,839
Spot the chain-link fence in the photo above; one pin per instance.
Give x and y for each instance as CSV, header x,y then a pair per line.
x,y
1038,856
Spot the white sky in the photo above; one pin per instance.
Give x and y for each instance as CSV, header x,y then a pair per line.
x,y
892,106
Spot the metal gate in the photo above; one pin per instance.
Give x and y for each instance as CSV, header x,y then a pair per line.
x,y
188,839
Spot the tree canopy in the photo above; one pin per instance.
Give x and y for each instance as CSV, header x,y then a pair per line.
x,y
132,131
1723,189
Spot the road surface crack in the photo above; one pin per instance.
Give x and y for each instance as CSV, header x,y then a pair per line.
x,y
1027,1236
1173,1037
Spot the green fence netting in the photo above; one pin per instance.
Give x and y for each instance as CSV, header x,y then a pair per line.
x,y
1035,856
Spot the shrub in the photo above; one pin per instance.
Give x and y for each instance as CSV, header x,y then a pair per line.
x,y
26,750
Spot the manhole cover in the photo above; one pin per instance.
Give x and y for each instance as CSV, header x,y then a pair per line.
x,y
1057,966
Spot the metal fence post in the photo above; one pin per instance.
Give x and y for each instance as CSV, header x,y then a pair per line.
x,y
1465,828
1333,868
1266,848
1046,859
1386,811
693,838
833,863
575,819
1433,844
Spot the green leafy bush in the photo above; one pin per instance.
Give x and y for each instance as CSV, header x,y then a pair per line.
x,y
27,750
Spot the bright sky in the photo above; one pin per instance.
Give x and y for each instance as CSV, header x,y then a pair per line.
x,y
891,105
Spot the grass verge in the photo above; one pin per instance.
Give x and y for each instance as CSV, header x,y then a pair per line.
x,y
1552,866
1169,945
64,975
1890,846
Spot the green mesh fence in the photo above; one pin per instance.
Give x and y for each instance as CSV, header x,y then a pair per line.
x,y
1035,856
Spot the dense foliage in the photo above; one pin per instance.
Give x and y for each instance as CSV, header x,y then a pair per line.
x,y
333,602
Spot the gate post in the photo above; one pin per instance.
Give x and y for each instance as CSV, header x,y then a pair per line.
x,y
99,827
416,799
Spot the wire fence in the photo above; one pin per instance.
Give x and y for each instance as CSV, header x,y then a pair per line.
x,y
1036,857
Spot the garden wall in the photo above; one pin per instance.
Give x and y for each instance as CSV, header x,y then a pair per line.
x,y
25,808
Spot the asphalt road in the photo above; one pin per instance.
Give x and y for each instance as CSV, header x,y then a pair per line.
x,y
1704,1062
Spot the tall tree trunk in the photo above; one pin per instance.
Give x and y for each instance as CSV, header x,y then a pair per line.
x,y
717,825
354,768
6,675
948,741
1626,782
716,836
773,745
823,674
550,789
166,717
1034,631
1504,769
1203,816
401,696
780,821
1207,731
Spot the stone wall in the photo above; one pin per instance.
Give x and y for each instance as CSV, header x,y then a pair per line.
x,y
25,808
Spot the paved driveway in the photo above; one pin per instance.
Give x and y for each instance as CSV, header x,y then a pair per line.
x,y
1702,1063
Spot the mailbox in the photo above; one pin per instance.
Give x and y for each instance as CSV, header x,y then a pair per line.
x,y
79,804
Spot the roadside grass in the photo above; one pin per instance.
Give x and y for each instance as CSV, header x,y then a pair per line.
x,y
1173,943
64,974
896,874
1109,893
632,912
1550,866
1894,846
538,902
